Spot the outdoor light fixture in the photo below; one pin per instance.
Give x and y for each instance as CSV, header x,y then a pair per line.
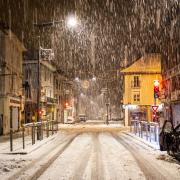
x,y
156,89
66,104
94,78
76,79
71,21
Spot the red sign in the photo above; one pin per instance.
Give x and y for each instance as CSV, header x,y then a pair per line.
x,y
155,108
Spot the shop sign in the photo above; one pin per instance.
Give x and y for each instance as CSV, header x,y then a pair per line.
x,y
13,101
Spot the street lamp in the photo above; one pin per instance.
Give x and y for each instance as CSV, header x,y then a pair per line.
x,y
94,78
71,21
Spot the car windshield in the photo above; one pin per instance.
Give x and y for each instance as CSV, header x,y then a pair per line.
x,y
177,128
168,126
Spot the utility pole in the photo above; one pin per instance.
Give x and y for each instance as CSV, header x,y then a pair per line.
x,y
107,104
39,92
11,130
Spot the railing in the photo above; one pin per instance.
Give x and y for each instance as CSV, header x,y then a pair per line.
x,y
36,130
149,130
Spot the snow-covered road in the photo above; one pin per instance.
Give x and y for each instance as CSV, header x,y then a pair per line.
x,y
109,156
92,156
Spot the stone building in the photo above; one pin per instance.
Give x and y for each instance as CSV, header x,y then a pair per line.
x,y
47,98
11,101
139,80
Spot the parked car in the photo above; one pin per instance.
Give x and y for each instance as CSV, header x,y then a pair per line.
x,y
70,120
169,139
82,117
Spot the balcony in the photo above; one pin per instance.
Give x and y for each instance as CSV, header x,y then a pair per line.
x,y
52,100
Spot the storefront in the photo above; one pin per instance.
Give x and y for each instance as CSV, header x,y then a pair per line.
x,y
11,107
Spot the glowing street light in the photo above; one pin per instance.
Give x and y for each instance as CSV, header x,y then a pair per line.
x,y
71,21
94,78
77,79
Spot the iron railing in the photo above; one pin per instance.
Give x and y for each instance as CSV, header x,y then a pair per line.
x,y
149,130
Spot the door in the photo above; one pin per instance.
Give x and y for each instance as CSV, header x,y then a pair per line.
x,y
1,124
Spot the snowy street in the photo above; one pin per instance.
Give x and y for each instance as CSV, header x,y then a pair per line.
x,y
87,155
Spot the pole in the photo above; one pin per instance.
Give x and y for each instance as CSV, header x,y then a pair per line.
x,y
107,119
23,137
11,130
38,94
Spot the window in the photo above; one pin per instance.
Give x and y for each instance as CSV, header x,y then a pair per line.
x,y
136,97
45,75
136,82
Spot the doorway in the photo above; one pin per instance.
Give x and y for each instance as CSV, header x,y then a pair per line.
x,y
1,124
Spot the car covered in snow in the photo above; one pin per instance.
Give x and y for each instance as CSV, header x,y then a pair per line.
x,y
69,120
82,117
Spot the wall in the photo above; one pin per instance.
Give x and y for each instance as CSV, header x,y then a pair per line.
x,y
146,89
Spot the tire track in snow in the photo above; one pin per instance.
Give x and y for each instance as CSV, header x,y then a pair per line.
x,y
84,159
145,164
22,174
97,166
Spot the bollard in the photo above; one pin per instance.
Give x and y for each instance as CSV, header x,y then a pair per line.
x,y
146,131
155,138
135,125
56,126
46,128
23,137
11,130
131,127
150,133
141,128
35,131
42,128
52,127
157,133
32,134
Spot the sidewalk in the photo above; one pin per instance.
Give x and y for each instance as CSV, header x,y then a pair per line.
x,y
5,138
153,144
18,144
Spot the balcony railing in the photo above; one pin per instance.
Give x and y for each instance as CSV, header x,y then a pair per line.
x,y
52,100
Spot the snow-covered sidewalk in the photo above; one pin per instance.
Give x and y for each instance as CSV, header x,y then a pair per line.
x,y
15,163
18,144
149,141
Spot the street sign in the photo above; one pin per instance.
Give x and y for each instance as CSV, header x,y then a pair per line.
x,y
155,108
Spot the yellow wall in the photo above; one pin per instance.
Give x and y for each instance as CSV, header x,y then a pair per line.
x,y
146,89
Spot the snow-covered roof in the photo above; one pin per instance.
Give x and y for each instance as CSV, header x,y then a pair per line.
x,y
150,63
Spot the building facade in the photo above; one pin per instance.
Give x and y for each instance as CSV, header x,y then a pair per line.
x,y
11,100
59,93
47,99
138,95
171,93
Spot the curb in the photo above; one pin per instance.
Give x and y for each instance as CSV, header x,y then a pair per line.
x,y
142,140
33,147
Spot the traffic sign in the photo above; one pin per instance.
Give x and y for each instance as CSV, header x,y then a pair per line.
x,y
155,108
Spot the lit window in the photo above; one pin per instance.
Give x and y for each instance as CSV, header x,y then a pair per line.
x,y
136,82
136,97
